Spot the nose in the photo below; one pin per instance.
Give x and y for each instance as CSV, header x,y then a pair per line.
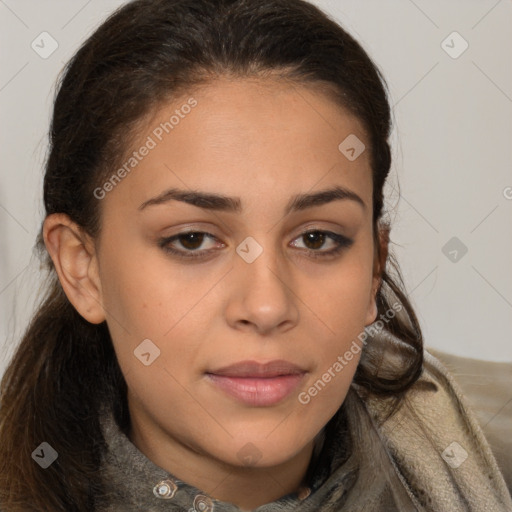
x,y
261,296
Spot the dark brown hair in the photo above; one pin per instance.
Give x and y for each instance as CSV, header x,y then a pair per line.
x,y
149,52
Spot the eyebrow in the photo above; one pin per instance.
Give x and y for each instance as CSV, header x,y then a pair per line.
x,y
217,202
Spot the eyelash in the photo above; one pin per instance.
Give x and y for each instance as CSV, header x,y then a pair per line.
x,y
342,243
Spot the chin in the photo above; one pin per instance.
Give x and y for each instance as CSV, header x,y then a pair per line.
x,y
259,451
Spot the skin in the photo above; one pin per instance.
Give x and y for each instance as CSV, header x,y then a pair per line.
x,y
262,141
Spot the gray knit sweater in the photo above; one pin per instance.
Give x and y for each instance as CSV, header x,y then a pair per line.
x,y
429,456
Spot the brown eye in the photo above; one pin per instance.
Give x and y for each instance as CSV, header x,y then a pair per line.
x,y
322,244
191,240
314,239
191,244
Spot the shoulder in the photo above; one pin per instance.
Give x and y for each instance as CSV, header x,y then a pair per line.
x,y
438,446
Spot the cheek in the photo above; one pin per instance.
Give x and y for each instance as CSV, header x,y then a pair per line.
x,y
338,349
147,298
135,299
343,293
341,301
139,289
326,389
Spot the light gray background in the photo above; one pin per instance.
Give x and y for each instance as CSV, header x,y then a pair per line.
x,y
452,154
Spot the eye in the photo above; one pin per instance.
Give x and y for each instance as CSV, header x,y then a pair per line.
x,y
315,240
190,242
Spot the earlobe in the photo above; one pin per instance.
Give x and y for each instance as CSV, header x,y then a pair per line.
x,y
74,257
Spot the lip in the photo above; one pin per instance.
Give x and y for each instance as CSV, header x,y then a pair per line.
x,y
257,384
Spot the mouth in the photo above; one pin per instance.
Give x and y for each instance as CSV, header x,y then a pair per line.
x,y
256,384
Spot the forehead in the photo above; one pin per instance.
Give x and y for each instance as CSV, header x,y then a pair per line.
x,y
250,138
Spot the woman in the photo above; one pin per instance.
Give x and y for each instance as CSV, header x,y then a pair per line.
x,y
224,328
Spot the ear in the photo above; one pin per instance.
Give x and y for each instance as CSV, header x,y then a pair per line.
x,y
74,256
380,258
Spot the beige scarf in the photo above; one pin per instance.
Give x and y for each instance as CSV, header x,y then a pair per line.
x,y
440,455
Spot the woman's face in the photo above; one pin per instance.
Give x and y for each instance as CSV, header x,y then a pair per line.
x,y
232,339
